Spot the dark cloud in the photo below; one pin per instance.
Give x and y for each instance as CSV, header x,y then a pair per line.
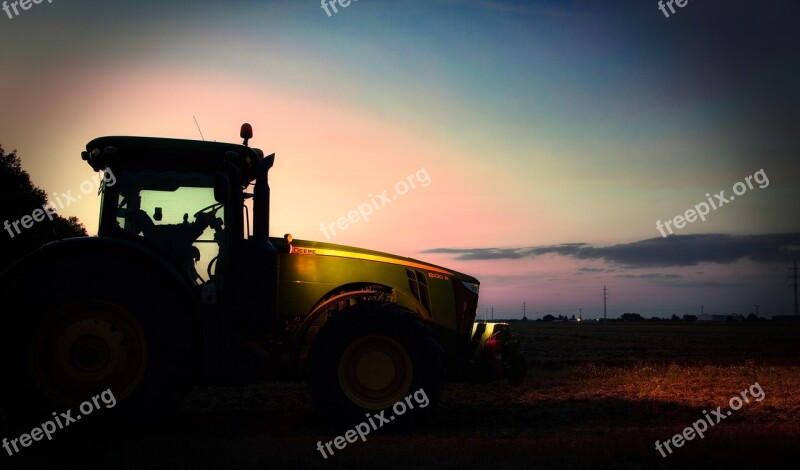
x,y
675,250
649,276
695,284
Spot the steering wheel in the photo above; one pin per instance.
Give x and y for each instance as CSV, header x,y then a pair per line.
x,y
216,206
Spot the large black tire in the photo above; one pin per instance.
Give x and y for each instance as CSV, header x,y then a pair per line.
x,y
371,356
91,324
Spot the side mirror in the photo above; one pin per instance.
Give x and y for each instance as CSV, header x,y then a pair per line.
x,y
222,188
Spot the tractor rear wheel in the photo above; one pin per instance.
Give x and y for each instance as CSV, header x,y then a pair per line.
x,y
89,326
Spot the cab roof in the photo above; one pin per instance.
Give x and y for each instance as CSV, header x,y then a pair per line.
x,y
126,152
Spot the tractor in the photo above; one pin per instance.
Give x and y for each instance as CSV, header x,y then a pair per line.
x,y
183,285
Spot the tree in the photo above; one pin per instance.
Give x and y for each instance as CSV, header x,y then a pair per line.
x,y
548,317
20,198
631,317
675,317
690,318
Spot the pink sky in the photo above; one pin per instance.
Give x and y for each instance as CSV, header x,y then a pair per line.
x,y
571,136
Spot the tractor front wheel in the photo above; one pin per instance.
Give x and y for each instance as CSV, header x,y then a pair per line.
x,y
371,357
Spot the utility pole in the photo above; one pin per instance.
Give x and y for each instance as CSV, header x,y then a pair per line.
x,y
524,317
492,313
580,314
701,309
756,309
605,298
793,278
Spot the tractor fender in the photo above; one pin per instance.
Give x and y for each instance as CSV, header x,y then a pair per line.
x,y
345,293
318,310
117,252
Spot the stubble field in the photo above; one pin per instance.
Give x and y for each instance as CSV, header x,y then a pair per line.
x,y
597,396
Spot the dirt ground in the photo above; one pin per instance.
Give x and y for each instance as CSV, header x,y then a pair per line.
x,y
597,396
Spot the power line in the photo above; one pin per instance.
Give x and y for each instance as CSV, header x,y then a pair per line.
x,y
633,308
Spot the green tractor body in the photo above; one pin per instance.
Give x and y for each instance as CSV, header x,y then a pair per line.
x,y
184,285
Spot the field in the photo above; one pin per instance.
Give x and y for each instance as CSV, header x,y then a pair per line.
x,y
597,396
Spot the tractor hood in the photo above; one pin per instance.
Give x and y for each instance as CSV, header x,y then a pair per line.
x,y
306,247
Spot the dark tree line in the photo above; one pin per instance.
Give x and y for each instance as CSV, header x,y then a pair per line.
x,y
20,198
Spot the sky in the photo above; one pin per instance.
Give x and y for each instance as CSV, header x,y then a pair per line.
x,y
545,139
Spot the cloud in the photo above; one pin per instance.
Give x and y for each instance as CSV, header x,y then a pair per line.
x,y
592,270
675,250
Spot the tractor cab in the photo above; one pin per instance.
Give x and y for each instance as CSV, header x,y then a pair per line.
x,y
156,206
185,201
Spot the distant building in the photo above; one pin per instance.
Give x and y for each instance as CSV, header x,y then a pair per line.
x,y
721,317
786,318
